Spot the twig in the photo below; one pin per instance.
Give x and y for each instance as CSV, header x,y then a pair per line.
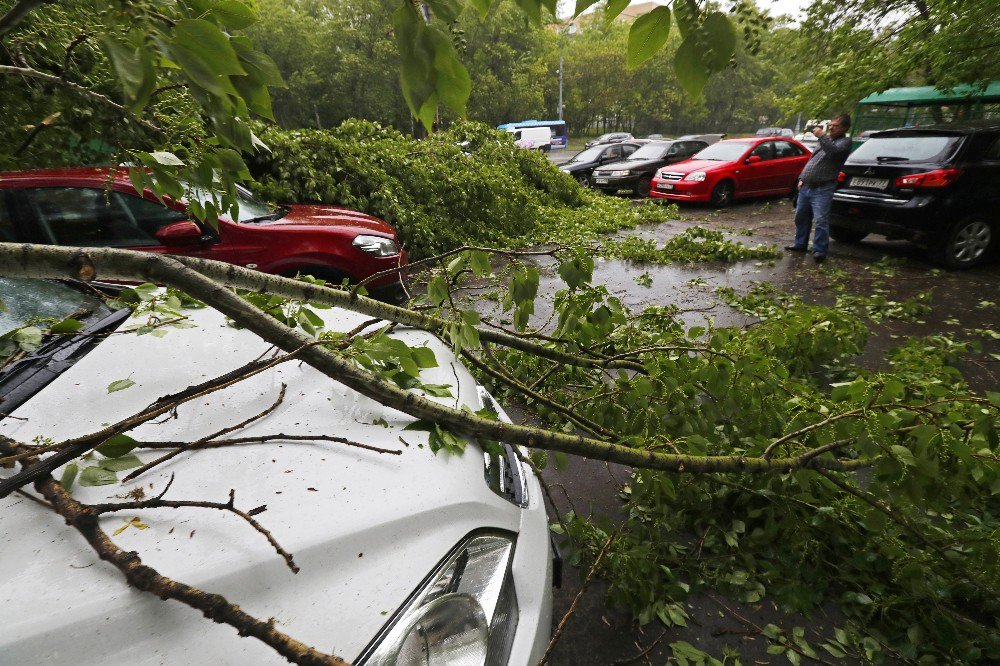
x,y
16,14
629,660
164,458
33,73
576,600
159,503
260,439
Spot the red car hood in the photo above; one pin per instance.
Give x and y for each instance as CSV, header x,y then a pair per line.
x,y
332,216
689,166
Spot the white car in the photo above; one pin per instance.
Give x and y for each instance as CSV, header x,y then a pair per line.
x,y
414,558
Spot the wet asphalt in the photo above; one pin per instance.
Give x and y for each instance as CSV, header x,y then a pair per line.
x,y
597,634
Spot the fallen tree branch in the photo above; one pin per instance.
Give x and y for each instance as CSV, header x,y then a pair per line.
x,y
159,503
143,577
50,261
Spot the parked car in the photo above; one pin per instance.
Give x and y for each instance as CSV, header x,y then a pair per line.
x,y
533,138
611,137
657,137
733,169
583,163
707,138
775,131
74,207
938,186
449,554
636,171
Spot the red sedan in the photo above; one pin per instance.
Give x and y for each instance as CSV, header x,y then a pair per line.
x,y
74,207
733,169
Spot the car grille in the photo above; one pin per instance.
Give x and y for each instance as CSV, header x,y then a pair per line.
x,y
669,175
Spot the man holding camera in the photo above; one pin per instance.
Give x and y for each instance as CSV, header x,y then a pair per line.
x,y
817,183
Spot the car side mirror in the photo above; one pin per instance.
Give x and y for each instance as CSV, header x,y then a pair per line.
x,y
753,159
184,232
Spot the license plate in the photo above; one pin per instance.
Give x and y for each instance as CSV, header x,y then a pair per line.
x,y
601,181
871,183
664,186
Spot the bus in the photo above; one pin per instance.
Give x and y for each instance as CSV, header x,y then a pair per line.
x,y
557,128
925,105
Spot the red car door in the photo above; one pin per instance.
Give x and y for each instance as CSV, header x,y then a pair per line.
x,y
758,175
789,160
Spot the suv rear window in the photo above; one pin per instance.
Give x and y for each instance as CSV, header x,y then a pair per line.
x,y
911,148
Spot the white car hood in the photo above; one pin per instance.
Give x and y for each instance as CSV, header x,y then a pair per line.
x,y
365,528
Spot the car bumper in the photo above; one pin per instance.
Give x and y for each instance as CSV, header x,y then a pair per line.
x,y
917,219
394,293
680,190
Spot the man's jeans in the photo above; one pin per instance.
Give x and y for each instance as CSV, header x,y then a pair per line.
x,y
813,208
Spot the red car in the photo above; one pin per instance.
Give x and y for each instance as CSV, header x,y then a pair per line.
x,y
733,169
74,207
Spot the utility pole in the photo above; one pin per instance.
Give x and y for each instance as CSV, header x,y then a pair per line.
x,y
560,85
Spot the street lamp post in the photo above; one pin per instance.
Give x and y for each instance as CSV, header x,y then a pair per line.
x,y
570,30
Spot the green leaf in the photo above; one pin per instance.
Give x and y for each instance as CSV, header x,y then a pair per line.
x,y
776,649
686,13
166,158
437,390
453,81
68,476
614,8
117,446
234,14
483,6
120,463
583,5
422,426
720,35
647,35
211,45
97,476
903,454
120,385
479,262
134,68
692,73
68,325
28,338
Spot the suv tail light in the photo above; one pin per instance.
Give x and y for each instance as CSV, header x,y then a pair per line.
x,y
841,177
936,178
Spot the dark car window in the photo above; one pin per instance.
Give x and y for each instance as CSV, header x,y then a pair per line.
x,y
7,233
906,148
26,300
85,216
614,152
149,215
653,151
764,151
993,152
628,150
588,155
785,149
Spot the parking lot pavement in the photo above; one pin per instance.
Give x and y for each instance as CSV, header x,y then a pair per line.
x,y
596,634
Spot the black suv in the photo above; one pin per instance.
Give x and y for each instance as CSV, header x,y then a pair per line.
x,y
938,186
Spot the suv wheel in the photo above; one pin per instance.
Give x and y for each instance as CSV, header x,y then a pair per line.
x,y
968,243
583,180
722,194
847,235
643,187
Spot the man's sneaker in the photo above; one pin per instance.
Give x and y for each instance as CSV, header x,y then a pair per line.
x,y
819,258
795,248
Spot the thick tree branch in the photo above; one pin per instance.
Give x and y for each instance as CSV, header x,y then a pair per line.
x,y
49,261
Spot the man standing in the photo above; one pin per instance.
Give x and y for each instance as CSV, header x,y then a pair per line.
x,y
817,182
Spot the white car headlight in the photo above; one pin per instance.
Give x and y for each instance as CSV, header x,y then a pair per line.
x,y
377,246
624,172
695,176
465,614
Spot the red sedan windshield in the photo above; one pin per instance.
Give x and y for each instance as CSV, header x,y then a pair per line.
x,y
724,151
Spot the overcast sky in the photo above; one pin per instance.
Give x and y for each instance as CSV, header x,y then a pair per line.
x,y
776,7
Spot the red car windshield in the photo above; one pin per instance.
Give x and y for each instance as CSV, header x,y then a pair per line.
x,y
724,151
